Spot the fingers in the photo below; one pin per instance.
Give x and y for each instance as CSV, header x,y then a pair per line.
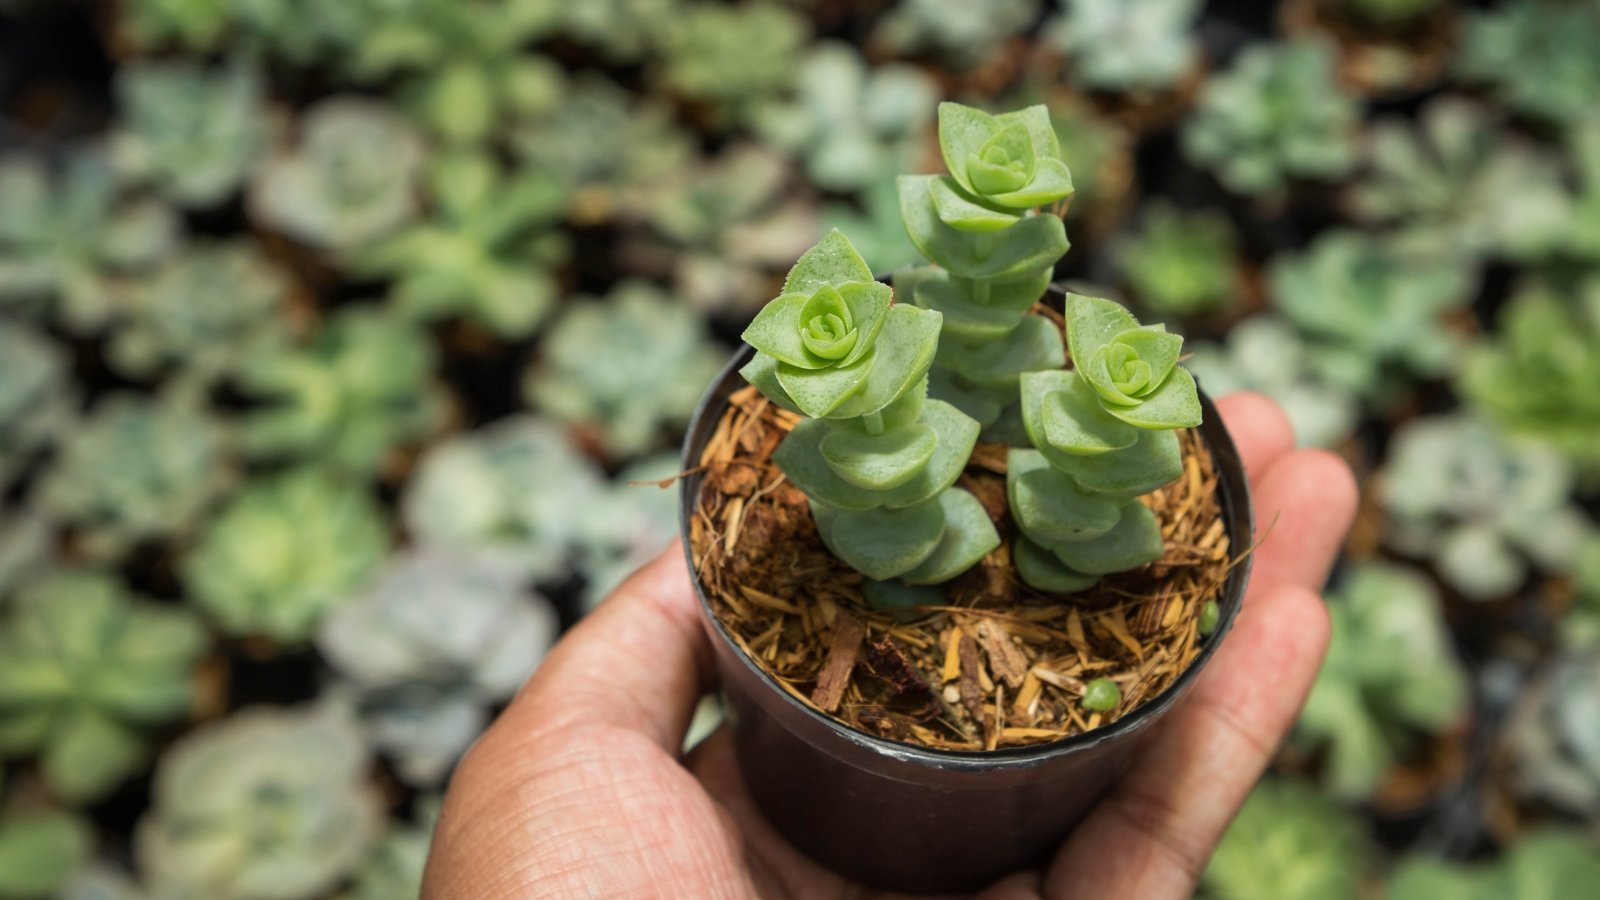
x,y
1260,430
1304,506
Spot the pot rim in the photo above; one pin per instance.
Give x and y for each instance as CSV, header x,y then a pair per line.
x,y
1238,513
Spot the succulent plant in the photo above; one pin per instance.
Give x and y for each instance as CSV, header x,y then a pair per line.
x,y
879,232
1553,738
357,388
1287,841
1387,14
1538,57
191,133
994,256
350,179
36,399
70,237
512,493
629,525
1119,45
285,550
1390,677
1181,263
1277,113
1264,353
1371,313
85,671
959,33
394,866
428,648
631,367
1545,864
267,803
1536,376
1458,182
190,24
732,57
1581,233
40,851
1480,503
1103,433
622,31
27,542
854,125
876,458
486,250
137,469
201,313
306,34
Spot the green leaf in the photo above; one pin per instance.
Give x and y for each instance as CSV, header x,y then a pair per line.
x,y
1092,323
904,352
1133,542
800,458
1034,243
762,372
969,536
1152,462
1033,345
882,461
776,329
1036,120
832,261
906,601
1040,569
820,391
1176,404
1004,162
1051,181
88,755
1156,347
963,130
981,404
881,543
970,320
1060,410
1049,506
868,303
39,852
962,213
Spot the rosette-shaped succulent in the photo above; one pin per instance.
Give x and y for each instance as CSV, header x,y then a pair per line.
x,y
1103,433
732,56
85,670
1288,841
1538,57
35,398
994,254
1265,354
192,134
40,852
1545,864
1181,263
876,458
958,32
263,805
1128,45
1553,738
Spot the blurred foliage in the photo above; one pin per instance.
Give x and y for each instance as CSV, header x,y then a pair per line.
x,y
344,347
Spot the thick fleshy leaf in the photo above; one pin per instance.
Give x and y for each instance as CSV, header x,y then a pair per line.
x,y
881,543
905,601
762,372
1049,506
1052,181
775,331
868,302
1092,323
1041,570
904,351
1153,461
1036,119
1176,404
1156,347
963,130
961,212
1033,345
1004,162
1135,541
1059,409
833,260
981,404
88,755
1034,243
800,458
880,461
979,312
40,852
820,391
969,536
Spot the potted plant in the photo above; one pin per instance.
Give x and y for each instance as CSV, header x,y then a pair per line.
x,y
950,580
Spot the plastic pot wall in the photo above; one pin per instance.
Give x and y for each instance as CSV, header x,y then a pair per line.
x,y
908,818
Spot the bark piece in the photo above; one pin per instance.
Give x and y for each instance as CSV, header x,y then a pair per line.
x,y
844,646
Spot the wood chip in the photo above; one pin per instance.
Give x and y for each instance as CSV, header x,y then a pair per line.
x,y
844,645
1005,660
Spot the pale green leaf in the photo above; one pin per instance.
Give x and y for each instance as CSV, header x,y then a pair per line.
x,y
962,213
1135,541
820,391
905,350
1060,409
1092,323
775,331
1153,461
762,372
1049,506
800,458
1176,404
1040,569
833,260
969,535
881,461
881,543
1034,243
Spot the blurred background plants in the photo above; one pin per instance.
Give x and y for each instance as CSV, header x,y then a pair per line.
x,y
345,347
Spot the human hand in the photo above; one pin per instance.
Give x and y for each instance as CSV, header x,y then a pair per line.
x,y
578,789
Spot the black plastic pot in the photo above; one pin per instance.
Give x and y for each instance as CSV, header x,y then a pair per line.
x,y
905,817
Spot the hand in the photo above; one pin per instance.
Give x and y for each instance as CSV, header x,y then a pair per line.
x,y
578,789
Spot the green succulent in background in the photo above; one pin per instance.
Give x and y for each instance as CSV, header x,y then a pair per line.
x,y
631,367
267,803
101,880
36,398
1458,182
623,31
1537,56
1388,13
40,851
393,868
610,148
1546,864
1390,677
1180,262
306,34
27,544
1480,503
201,314
1372,313
359,387
138,468
285,550
1127,45
69,237
486,250
190,24
1097,150
1287,840
1581,625
854,125
1553,738
1536,375
511,493
1265,354
875,457
191,133
1582,231
629,524
428,648
958,33
732,57
1276,113
349,180
85,671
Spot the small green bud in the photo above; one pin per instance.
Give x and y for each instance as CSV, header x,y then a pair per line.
x,y
1102,695
1208,617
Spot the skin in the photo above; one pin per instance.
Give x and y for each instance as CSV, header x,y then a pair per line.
x,y
578,789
